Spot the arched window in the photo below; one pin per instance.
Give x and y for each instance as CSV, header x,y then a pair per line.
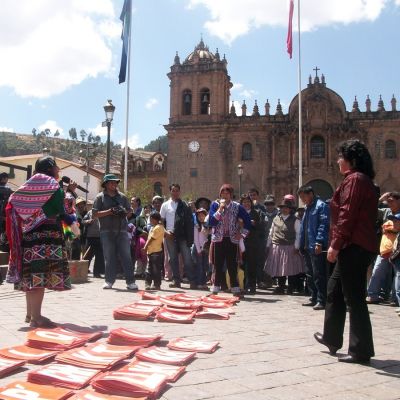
x,y
317,147
321,188
187,102
205,102
157,188
247,151
390,149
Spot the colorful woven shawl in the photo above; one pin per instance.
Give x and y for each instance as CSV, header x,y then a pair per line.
x,y
23,213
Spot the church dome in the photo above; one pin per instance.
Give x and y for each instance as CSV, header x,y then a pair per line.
x,y
201,53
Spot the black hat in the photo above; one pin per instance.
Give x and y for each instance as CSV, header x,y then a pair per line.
x,y
44,164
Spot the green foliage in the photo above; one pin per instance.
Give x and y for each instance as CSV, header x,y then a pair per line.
x,y
142,188
159,144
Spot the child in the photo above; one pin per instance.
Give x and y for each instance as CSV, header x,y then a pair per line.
x,y
200,249
153,247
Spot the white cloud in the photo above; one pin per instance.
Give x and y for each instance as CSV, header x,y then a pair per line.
x,y
239,86
248,93
230,19
151,103
47,46
100,130
133,141
5,129
52,125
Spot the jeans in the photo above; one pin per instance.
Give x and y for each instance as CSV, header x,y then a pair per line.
x,y
200,263
396,266
317,275
176,246
153,270
116,245
381,278
346,290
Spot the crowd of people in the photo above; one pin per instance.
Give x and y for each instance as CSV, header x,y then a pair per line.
x,y
321,249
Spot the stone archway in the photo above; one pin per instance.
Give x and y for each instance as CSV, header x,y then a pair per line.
x,y
321,188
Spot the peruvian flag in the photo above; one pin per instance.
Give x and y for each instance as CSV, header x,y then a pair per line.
x,y
289,39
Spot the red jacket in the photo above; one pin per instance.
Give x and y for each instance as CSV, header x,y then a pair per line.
x,y
354,209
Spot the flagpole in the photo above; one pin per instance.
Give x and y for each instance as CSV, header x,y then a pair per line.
x,y
299,97
128,83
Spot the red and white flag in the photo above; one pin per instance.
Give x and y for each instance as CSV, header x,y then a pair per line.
x,y
289,39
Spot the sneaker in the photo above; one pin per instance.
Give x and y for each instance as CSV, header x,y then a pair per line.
x,y
107,285
193,286
132,286
372,300
147,287
156,288
174,285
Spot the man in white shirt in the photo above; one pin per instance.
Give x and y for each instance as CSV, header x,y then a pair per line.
x,y
178,220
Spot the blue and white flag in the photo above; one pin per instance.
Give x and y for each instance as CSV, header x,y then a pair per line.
x,y
125,36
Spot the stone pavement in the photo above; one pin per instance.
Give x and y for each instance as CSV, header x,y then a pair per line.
x,y
267,349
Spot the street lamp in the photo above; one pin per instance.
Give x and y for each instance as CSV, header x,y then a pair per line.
x,y
240,173
109,109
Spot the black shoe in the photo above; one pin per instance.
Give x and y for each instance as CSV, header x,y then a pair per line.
x,y
251,290
175,285
310,304
320,339
319,306
354,359
279,290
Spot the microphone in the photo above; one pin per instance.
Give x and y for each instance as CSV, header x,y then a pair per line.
x,y
67,180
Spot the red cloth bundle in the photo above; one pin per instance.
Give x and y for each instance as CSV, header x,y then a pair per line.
x,y
59,338
28,354
180,317
87,394
123,336
130,383
7,366
135,312
209,313
25,390
67,376
171,372
199,346
97,356
165,356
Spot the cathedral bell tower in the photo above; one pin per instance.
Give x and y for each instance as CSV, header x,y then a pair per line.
x,y
199,87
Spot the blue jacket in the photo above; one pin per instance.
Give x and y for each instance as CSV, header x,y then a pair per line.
x,y
317,215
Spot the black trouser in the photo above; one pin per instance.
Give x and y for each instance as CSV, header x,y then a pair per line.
x,y
225,251
346,287
95,249
250,261
154,267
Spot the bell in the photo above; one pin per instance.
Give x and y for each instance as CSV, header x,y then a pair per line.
x,y
187,98
205,98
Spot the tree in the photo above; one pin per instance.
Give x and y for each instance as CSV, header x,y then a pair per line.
x,y
34,132
73,134
57,133
142,188
83,134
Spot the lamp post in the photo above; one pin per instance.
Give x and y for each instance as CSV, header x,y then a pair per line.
x,y
109,109
240,173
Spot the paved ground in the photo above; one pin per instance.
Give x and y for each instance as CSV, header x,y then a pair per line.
x,y
267,349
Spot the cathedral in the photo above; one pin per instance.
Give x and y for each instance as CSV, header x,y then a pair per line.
x,y
210,144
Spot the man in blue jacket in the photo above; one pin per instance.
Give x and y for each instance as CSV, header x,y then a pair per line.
x,y
314,233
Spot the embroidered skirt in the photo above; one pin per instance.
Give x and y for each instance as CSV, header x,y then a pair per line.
x,y
284,261
44,259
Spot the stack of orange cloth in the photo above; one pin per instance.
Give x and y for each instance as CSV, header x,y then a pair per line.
x,y
135,312
7,366
125,337
165,356
122,383
87,394
171,372
26,391
187,304
59,338
28,354
212,313
97,355
199,346
178,315
67,376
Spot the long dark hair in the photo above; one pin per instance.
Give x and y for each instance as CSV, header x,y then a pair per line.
x,y
357,154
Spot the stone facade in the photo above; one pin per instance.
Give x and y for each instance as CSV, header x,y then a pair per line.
x,y
150,166
207,140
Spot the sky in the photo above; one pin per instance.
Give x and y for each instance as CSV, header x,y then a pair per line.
x,y
60,59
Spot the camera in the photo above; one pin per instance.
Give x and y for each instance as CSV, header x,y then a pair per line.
x,y
119,211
